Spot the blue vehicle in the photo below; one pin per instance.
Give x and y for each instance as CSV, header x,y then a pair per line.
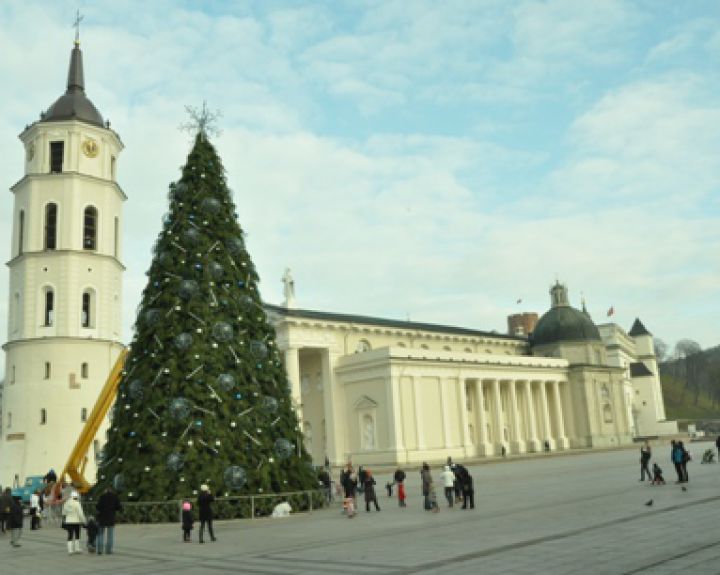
x,y
32,484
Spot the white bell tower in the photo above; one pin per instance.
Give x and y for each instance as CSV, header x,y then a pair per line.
x,y
64,321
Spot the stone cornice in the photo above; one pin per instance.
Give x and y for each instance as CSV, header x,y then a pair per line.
x,y
40,253
94,179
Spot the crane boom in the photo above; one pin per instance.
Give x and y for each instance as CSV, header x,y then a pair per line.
x,y
75,466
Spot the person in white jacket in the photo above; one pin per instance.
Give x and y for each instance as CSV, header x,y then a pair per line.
x,y
448,479
73,518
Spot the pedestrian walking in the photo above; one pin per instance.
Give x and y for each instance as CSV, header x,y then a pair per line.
x,y
676,458
187,521
15,521
6,503
717,445
468,490
91,531
684,460
399,478
645,455
657,475
426,478
107,507
370,495
361,474
73,518
205,501
448,479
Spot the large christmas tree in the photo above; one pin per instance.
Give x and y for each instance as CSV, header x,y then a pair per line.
x,y
204,396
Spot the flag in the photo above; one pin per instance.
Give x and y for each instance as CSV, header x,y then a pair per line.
x,y
519,301
611,311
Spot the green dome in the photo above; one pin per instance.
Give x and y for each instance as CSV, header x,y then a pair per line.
x,y
564,323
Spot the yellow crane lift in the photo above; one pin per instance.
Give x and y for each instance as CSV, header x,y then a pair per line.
x,y
75,467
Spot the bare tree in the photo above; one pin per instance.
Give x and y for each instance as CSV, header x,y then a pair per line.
x,y
661,349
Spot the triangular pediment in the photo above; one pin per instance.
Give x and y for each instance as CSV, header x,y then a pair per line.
x,y
365,403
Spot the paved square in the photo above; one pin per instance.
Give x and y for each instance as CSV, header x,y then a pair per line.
x,y
580,513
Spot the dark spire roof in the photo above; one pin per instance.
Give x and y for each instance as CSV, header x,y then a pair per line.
x,y
638,328
74,104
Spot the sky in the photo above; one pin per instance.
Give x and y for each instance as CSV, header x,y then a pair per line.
x,y
436,161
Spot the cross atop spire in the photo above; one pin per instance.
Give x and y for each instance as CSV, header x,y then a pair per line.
x,y
78,18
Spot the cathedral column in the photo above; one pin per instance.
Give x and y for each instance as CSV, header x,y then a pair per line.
x,y
445,412
292,366
484,447
499,418
465,440
533,443
419,431
562,440
333,436
546,416
395,431
517,445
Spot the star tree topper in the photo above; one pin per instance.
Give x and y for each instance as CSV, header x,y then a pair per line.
x,y
202,121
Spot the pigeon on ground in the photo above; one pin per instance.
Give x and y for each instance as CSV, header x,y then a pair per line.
x,y
649,503
684,488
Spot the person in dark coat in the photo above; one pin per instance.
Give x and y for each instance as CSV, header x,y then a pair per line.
x,y
362,474
92,530
6,502
645,455
187,521
717,445
16,521
468,490
426,478
107,506
676,458
370,496
205,501
684,459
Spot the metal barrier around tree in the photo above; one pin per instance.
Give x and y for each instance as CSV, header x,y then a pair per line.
x,y
232,507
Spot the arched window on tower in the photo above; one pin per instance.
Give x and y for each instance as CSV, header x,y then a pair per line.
x,y
84,370
21,231
83,414
9,419
90,228
43,416
49,307
87,316
50,242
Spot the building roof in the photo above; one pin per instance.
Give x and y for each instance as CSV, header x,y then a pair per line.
x,y
74,104
564,323
391,323
638,328
639,369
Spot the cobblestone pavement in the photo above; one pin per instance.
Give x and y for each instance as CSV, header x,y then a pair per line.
x,y
582,513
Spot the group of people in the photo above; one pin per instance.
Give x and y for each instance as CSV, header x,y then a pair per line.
x,y
352,483
456,479
205,515
679,456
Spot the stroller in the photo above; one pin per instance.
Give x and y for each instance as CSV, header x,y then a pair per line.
x,y
708,456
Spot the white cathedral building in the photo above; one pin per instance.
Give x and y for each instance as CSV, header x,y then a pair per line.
x,y
366,389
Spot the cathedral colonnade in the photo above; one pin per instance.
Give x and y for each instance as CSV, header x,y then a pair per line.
x,y
380,412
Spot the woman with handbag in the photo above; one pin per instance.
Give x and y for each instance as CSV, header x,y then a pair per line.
x,y
73,518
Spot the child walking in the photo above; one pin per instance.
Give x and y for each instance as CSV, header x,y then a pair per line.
x,y
657,475
187,521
